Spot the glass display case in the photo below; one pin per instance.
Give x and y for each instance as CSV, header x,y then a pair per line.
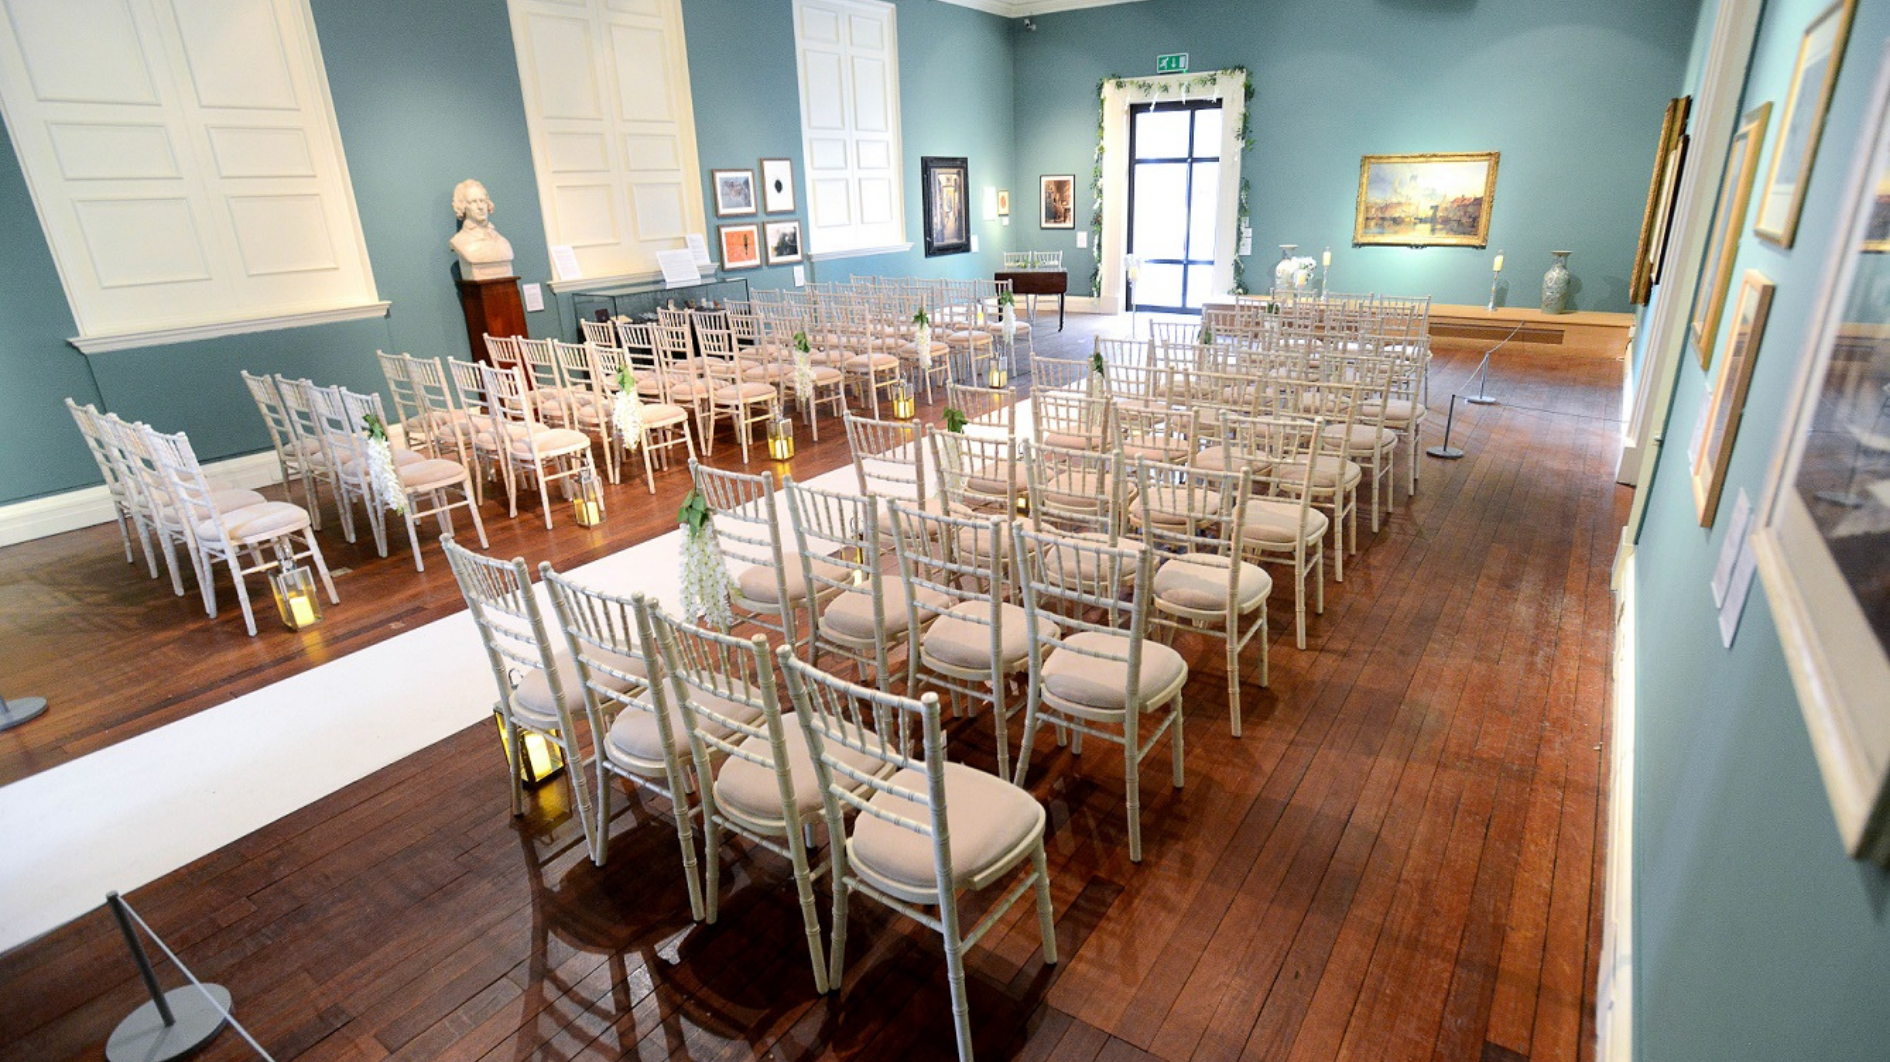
x,y
639,302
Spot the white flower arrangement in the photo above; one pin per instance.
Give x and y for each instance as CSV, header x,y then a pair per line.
x,y
803,367
381,468
705,582
1007,316
922,338
626,411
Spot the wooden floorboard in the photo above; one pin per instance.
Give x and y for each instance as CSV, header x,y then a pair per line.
x,y
1399,860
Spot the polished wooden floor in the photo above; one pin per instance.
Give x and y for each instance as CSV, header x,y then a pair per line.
x,y
1400,860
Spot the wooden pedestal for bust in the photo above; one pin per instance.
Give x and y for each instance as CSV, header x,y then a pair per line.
x,y
492,308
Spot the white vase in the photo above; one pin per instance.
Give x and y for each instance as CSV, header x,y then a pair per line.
x,y
1555,284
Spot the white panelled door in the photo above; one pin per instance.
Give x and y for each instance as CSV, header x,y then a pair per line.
x,y
613,130
185,163
848,58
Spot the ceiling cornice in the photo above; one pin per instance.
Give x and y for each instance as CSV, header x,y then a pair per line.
x,y
1020,8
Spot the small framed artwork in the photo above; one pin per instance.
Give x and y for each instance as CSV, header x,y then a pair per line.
x,y
1722,237
1672,140
947,205
777,186
1663,221
784,241
741,246
1004,202
1728,403
1820,52
734,192
1438,199
1057,195
1823,531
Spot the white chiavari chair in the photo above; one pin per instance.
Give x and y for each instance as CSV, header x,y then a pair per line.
x,y
1101,675
665,425
925,833
292,455
1281,524
530,450
765,589
219,535
1195,521
889,462
601,332
431,486
129,506
504,351
1072,421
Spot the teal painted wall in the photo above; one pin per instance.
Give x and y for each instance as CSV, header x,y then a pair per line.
x,y
1570,93
427,94
1756,937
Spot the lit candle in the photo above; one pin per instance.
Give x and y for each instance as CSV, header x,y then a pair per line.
x,y
1325,260
1499,262
302,610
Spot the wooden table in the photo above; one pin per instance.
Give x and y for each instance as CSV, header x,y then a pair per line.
x,y
1039,282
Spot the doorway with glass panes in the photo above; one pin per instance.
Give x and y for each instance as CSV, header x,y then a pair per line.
x,y
1174,189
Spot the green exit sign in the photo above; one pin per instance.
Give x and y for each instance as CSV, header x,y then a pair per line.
x,y
1172,64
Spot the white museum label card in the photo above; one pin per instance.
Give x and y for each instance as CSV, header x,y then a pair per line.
x,y
699,247
679,267
564,262
534,298
1743,568
1736,530
800,276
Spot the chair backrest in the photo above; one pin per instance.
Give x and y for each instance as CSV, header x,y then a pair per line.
x,y
1123,351
1188,510
1174,331
844,721
110,465
469,386
507,401
952,559
702,673
1070,420
575,366
511,627
298,405
888,456
673,333
355,409
407,411
977,472
1082,584
145,486
187,489
838,539
541,364
605,639
988,409
748,528
269,403
503,350
600,332
1048,373
1078,491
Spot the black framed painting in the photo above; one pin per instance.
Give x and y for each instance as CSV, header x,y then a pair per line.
x,y
947,188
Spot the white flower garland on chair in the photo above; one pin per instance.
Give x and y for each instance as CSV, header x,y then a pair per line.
x,y
381,466
626,411
705,582
922,339
803,367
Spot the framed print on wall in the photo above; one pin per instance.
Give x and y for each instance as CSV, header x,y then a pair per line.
x,y
947,194
1800,124
734,192
1823,538
1056,201
1722,237
1004,202
1672,138
777,186
1663,222
1713,450
741,246
1431,200
784,241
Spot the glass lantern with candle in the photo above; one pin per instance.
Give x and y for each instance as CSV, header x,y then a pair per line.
x,y
780,438
587,501
542,761
902,402
999,376
293,588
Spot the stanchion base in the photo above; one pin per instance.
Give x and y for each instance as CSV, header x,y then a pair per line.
x,y
143,1036
1448,453
19,710
1480,400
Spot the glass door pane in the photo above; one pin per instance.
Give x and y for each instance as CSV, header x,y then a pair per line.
x,y
1174,196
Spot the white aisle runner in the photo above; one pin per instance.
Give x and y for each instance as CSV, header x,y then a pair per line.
x,y
132,812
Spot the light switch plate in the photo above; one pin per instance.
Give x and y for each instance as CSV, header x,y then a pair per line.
x,y
1082,237
974,243
800,276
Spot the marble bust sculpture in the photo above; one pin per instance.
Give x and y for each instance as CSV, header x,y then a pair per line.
x,y
483,253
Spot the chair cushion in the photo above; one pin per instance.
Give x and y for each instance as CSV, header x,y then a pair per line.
x,y
757,582
255,522
532,697
939,350
1397,411
1363,439
870,362
1273,522
988,820
750,791
966,643
746,392
983,479
1214,459
1328,471
1158,448
850,615
634,734
551,441
1093,682
435,472
1198,581
1071,440
969,338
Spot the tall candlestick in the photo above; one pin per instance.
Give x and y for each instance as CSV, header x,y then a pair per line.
x,y
1496,274
1499,262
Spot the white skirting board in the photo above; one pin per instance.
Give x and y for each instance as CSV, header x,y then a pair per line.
x,y
58,513
1614,990
132,812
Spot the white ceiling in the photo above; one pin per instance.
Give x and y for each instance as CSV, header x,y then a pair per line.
x,y
1020,8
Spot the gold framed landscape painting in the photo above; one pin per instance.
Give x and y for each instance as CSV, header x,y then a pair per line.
x,y
1667,155
1431,200
1801,123
1823,538
1713,449
1722,237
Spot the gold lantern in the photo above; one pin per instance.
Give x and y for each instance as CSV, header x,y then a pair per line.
x,y
587,502
294,590
781,439
1000,376
902,403
543,759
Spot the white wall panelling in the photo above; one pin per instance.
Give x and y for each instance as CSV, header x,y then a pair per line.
x,y
185,164
613,130
847,53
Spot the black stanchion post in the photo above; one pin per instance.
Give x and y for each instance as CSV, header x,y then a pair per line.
x,y
174,1023
1447,451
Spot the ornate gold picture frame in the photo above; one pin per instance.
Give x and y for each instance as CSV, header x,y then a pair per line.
x,y
1801,123
1660,190
1722,239
1432,200
1712,450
